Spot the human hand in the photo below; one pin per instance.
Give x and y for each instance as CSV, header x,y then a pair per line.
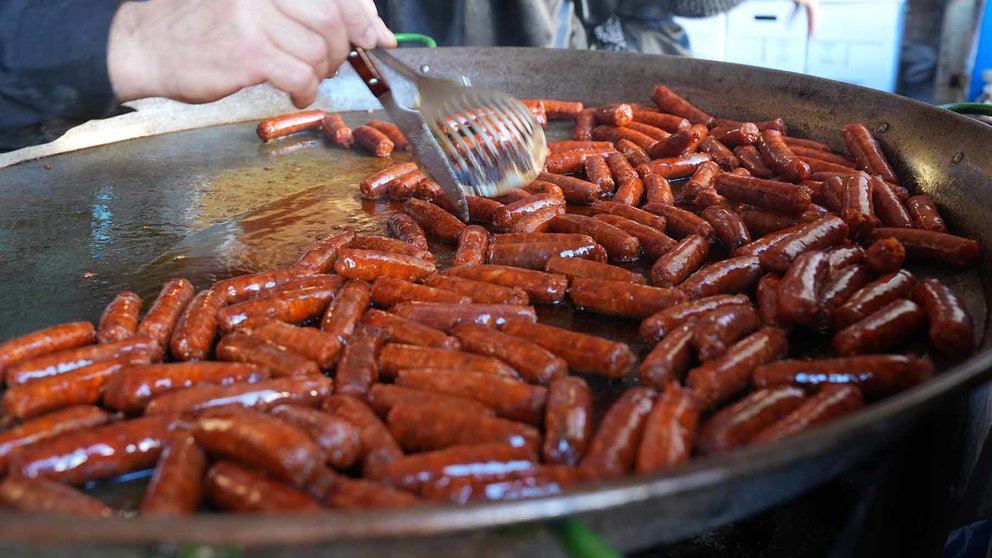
x,y
812,13
198,51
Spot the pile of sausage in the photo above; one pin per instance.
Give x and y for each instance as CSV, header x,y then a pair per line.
x,y
365,376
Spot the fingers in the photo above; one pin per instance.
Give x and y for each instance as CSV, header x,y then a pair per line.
x,y
361,22
324,18
292,75
297,40
387,38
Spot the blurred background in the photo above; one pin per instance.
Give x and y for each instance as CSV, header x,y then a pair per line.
x,y
937,51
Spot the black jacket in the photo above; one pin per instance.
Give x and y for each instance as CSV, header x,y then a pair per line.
x,y
53,67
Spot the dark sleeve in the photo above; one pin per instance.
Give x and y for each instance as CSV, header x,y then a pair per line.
x,y
53,67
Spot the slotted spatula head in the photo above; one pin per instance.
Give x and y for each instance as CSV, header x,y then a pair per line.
x,y
469,139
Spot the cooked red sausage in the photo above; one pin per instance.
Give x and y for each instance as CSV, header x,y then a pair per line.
x,y
680,261
669,122
163,314
930,246
383,397
720,328
479,210
582,352
750,160
875,375
61,362
473,242
634,153
396,356
885,255
377,185
888,207
538,221
737,133
286,124
233,487
730,276
729,227
176,487
82,386
866,151
809,144
844,256
737,424
379,448
576,190
584,122
630,189
951,326
343,314
52,498
339,491
387,292
858,210
540,287
628,212
674,167
392,132
337,439
118,321
925,214
336,130
405,228
534,363
777,154
769,194
655,327
402,330
598,172
874,296
430,191
512,195
419,428
823,169
46,341
373,140
324,281
576,267
669,359
294,306
386,244
837,291
668,101
619,245
102,452
539,111
535,187
799,289
613,448
509,398
197,327
367,265
280,361
669,431
881,330
766,299
680,223
302,390
312,343
654,243
615,114
567,421
358,368
535,255
48,426
614,134
445,316
570,161
559,110
541,480
244,287
720,379
435,220
828,403
816,235
481,292
618,298
131,389
505,216
719,153
478,461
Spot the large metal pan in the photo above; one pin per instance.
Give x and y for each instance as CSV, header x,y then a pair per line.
x,y
75,227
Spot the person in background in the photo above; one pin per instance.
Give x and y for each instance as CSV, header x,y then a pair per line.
x,y
65,62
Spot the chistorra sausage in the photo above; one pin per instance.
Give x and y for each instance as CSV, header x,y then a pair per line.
x,y
446,316
874,296
866,151
587,269
379,448
951,329
567,421
473,243
383,397
68,360
51,498
233,487
336,130
197,327
402,330
668,101
340,491
339,440
131,389
96,453
176,486
418,428
481,292
320,347
478,461
618,298
885,255
367,265
668,431
680,261
396,356
681,223
435,220
620,245
343,314
53,339
240,347
386,244
243,287
162,316
655,327
669,359
799,290
533,362
720,379
613,448
583,352
875,375
715,331
303,390
736,424
373,140
930,246
388,291
118,321
780,157
509,398
887,327
47,426
815,235
730,276
291,306
286,124
320,257
405,228
358,368
828,403
759,192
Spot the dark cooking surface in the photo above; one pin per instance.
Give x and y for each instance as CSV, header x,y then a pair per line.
x,y
52,236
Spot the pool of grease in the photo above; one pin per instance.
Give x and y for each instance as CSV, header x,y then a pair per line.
x,y
216,202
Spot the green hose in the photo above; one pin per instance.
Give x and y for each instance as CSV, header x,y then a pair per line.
x,y
416,38
970,108
580,542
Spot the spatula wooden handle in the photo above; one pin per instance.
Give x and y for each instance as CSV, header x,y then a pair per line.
x,y
360,61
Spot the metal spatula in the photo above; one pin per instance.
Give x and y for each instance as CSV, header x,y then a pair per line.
x,y
470,139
